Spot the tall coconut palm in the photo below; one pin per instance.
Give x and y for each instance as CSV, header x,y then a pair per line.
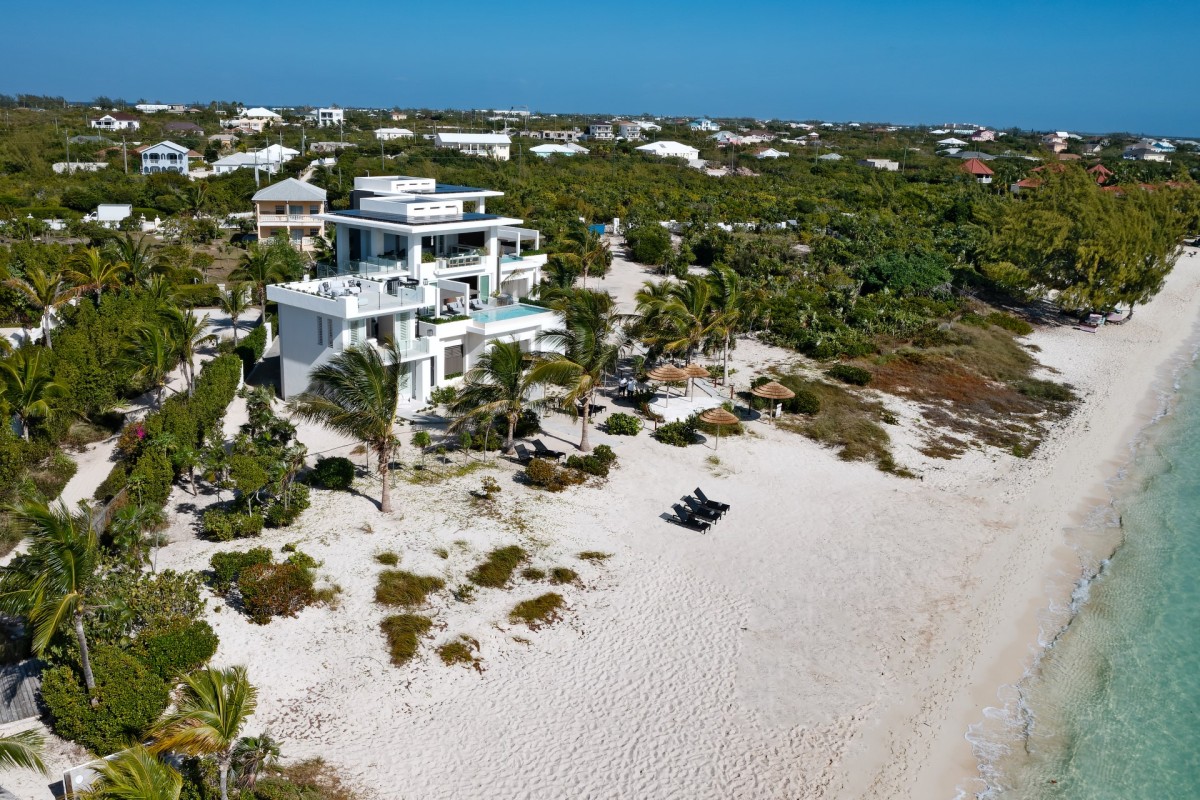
x,y
260,268
582,351
728,305
499,383
91,270
28,388
187,334
134,774
135,257
23,750
680,318
152,354
50,583
45,291
356,393
593,253
207,718
235,302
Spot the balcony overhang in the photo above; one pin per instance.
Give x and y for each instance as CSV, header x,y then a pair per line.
x,y
469,222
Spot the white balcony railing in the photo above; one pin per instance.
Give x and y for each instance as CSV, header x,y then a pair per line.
x,y
299,219
369,266
400,298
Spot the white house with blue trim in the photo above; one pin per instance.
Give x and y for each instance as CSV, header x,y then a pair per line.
x,y
166,157
703,125
419,263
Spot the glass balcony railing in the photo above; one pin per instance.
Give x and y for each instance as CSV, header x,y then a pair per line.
x,y
367,266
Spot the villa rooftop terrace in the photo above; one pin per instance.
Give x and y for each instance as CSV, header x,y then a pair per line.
x,y
399,219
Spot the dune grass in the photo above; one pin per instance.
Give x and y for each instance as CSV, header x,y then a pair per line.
x,y
561,575
387,558
404,632
540,611
498,570
462,650
533,574
595,556
397,587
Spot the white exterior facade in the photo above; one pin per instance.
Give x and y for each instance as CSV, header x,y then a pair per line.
x,y
671,150
881,163
328,117
388,134
166,157
115,122
489,145
415,267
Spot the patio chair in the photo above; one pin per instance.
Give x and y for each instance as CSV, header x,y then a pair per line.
x,y
477,306
701,510
686,519
703,498
545,452
523,454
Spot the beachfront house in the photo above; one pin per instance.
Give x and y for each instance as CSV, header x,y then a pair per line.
x,y
166,157
489,145
116,121
671,150
293,208
422,264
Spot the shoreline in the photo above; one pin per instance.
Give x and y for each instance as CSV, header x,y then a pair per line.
x,y
1042,589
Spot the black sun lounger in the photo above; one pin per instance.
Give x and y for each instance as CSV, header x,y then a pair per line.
x,y
700,510
542,451
722,507
686,519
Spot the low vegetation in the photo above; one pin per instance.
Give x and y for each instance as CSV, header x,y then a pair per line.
x,y
561,575
497,570
400,588
538,612
403,633
461,650
595,556
387,558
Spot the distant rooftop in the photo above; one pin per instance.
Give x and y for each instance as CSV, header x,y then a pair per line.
x,y
398,219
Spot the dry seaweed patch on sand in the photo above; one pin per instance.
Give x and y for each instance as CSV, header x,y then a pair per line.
x,y
538,612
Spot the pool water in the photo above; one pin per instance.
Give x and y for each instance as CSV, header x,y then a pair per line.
x,y
506,313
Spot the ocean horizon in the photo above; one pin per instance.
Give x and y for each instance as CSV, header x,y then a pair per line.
x,y
1111,709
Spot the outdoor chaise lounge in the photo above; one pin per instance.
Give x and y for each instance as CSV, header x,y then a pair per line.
x,y
523,454
688,520
701,510
703,498
541,451
477,306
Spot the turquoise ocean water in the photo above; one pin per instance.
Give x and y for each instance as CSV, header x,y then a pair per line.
x,y
1112,711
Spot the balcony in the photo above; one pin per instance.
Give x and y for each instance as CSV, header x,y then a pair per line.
x,y
292,219
410,349
368,266
400,298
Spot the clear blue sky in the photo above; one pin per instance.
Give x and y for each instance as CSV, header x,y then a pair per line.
x,y
1091,66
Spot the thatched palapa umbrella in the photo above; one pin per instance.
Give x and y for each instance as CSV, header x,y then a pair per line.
x,y
668,374
695,371
718,416
773,391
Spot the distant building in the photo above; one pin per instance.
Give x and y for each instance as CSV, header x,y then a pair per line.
x,y
290,207
572,135
983,135
629,131
186,128
758,136
116,121
152,108
703,125
723,138
977,169
600,131
1101,174
261,113
1055,141
671,150
880,163
399,116
330,147
1138,153
328,117
769,152
110,215
646,125
556,148
266,160
61,167
830,157
166,157
388,134
225,141
489,145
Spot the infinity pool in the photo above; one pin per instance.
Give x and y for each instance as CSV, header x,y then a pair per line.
x,y
507,312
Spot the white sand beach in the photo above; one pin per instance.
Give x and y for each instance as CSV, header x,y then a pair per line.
x,y
833,637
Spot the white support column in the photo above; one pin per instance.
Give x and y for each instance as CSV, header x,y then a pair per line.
x,y
414,255
481,205
343,246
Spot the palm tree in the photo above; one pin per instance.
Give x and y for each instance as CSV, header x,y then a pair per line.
x,y
499,383
127,529
251,755
45,291
259,267
593,253
187,334
153,355
27,386
677,317
51,581
91,270
728,303
356,394
134,257
134,774
235,302
209,711
582,351
23,750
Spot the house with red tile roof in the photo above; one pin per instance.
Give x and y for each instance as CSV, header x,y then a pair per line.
x,y
981,171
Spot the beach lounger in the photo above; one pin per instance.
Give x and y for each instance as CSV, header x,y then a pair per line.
x,y
686,519
523,454
477,306
701,510
703,498
545,452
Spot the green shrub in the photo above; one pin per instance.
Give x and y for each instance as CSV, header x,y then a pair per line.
x,y
498,569
805,402
541,610
1046,390
680,433
221,525
621,424
1010,323
111,486
387,558
226,567
178,650
334,473
250,348
443,395
547,475
51,478
396,587
598,462
130,697
275,590
847,373
528,423
285,510
151,478
533,574
459,651
403,632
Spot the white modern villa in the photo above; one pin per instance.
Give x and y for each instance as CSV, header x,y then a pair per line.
x,y
414,266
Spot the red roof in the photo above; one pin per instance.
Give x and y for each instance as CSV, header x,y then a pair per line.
x,y
1101,173
1029,183
974,166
